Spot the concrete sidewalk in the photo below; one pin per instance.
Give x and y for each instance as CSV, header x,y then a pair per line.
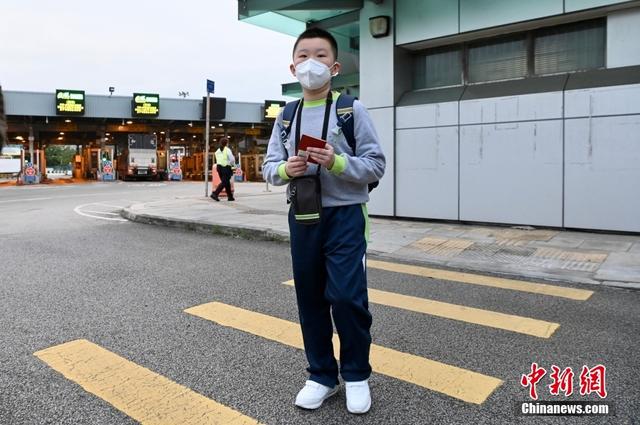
x,y
526,253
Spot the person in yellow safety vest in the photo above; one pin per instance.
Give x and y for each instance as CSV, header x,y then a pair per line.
x,y
224,161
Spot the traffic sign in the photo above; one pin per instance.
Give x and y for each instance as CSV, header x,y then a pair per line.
x,y
210,86
30,171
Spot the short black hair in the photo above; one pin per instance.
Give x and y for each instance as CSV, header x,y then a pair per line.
x,y
317,33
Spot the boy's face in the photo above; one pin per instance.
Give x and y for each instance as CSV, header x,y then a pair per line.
x,y
318,49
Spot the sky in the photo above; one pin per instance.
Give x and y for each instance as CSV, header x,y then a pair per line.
x,y
162,47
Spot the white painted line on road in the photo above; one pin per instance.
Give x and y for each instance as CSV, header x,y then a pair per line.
x,y
25,199
63,196
100,212
78,211
147,185
115,206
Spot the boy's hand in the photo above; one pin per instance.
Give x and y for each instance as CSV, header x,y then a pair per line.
x,y
296,166
324,156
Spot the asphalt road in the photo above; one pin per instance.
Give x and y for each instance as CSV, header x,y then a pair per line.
x,y
71,269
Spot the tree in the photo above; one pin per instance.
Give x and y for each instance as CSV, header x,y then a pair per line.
x,y
59,156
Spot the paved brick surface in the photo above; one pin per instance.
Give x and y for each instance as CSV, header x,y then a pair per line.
x,y
530,253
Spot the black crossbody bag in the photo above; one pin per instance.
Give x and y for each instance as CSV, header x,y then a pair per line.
x,y
305,192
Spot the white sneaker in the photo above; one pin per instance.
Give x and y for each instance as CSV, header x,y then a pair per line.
x,y
358,396
313,394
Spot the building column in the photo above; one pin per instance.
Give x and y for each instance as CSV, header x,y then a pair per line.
x,y
377,94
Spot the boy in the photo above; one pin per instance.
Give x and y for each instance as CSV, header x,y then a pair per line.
x,y
328,256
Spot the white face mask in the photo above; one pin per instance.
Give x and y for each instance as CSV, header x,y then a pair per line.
x,y
312,74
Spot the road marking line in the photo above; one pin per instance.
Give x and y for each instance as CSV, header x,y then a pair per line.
x,y
477,316
77,210
100,212
113,206
453,381
143,395
476,279
26,199
64,196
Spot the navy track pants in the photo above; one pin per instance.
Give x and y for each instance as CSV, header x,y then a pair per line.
x,y
329,271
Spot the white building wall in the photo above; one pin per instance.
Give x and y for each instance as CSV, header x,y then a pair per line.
x,y
615,100
549,159
512,173
427,161
376,59
377,94
427,179
512,108
429,115
603,173
623,38
511,159
602,164
479,14
382,198
422,20
575,5
427,19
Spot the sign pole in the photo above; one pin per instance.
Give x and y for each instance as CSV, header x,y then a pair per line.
x,y
167,151
206,148
210,89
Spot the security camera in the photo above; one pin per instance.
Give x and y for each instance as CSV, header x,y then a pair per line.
x,y
111,90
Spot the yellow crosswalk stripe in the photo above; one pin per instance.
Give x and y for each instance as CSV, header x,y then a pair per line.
x,y
453,381
476,279
493,319
143,395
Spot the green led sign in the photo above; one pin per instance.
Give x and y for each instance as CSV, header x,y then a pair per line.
x,y
69,102
145,105
272,109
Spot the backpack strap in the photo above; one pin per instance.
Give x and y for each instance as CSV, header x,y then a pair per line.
x,y
344,112
287,119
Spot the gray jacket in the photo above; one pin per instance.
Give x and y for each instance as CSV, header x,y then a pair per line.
x,y
346,183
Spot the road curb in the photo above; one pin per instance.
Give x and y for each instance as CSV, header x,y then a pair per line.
x,y
249,233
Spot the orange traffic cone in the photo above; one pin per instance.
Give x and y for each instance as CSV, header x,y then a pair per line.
x,y
215,181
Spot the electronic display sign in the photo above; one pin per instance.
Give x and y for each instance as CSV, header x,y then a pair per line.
x,y
69,102
145,105
218,107
272,109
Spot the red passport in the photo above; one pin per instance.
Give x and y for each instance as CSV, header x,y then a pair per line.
x,y
306,142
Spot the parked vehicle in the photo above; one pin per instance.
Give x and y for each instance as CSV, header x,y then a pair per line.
x,y
139,159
